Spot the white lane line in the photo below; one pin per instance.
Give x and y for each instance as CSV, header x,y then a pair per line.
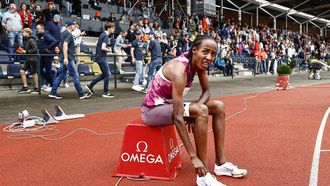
x,y
316,157
325,150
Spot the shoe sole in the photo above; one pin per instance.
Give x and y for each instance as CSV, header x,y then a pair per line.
x,y
107,96
51,96
231,175
139,90
25,92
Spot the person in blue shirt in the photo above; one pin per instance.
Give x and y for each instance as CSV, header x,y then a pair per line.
x,y
66,60
101,59
46,43
156,57
137,59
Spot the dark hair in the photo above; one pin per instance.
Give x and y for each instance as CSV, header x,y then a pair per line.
x,y
197,42
22,6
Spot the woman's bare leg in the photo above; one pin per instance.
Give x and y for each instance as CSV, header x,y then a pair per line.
x,y
217,110
199,113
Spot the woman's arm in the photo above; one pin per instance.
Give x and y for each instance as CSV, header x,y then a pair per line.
x,y
179,78
204,83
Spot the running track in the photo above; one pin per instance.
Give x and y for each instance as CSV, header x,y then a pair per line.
x,y
274,139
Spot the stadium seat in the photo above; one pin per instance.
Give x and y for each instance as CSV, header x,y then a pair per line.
x,y
85,59
96,69
4,59
112,68
1,73
13,70
83,70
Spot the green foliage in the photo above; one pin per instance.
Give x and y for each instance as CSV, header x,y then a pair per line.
x,y
292,64
284,70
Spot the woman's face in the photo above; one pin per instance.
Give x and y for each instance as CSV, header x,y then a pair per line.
x,y
204,54
57,50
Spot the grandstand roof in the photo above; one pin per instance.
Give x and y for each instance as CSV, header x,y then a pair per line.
x,y
316,11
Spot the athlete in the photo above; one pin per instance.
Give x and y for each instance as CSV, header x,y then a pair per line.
x,y
164,104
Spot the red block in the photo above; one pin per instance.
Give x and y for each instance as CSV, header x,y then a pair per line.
x,y
149,152
283,83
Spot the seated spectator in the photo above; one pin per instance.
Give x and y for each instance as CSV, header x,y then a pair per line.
x,y
97,16
30,47
122,19
112,18
95,4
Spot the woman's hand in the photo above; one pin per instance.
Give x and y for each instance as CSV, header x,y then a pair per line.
x,y
199,166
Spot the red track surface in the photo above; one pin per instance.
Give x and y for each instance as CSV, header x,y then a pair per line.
x,y
274,139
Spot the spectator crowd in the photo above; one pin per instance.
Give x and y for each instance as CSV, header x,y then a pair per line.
x,y
151,41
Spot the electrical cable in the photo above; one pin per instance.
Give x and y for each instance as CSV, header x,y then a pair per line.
x,y
245,107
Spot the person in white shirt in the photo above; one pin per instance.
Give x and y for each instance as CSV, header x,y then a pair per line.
x,y
118,49
76,33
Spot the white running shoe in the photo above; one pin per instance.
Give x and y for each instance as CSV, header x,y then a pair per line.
x,y
47,89
66,85
228,169
137,88
208,180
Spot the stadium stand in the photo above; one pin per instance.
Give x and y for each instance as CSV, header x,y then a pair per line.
x,y
84,70
2,75
13,71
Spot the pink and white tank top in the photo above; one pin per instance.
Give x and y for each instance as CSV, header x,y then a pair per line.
x,y
160,91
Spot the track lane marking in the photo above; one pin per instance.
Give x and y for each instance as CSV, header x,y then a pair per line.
x,y
316,156
325,150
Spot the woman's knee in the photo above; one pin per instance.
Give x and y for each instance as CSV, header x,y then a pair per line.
x,y
200,110
216,106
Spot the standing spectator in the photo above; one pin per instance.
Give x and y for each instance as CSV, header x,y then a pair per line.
x,y
68,6
186,43
263,58
6,3
32,6
30,47
37,18
137,58
2,11
26,16
76,6
101,59
2,31
156,57
131,33
12,23
54,27
46,43
66,60
119,50
50,11
77,33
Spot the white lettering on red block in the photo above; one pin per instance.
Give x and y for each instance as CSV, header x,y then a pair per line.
x,y
141,156
174,151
